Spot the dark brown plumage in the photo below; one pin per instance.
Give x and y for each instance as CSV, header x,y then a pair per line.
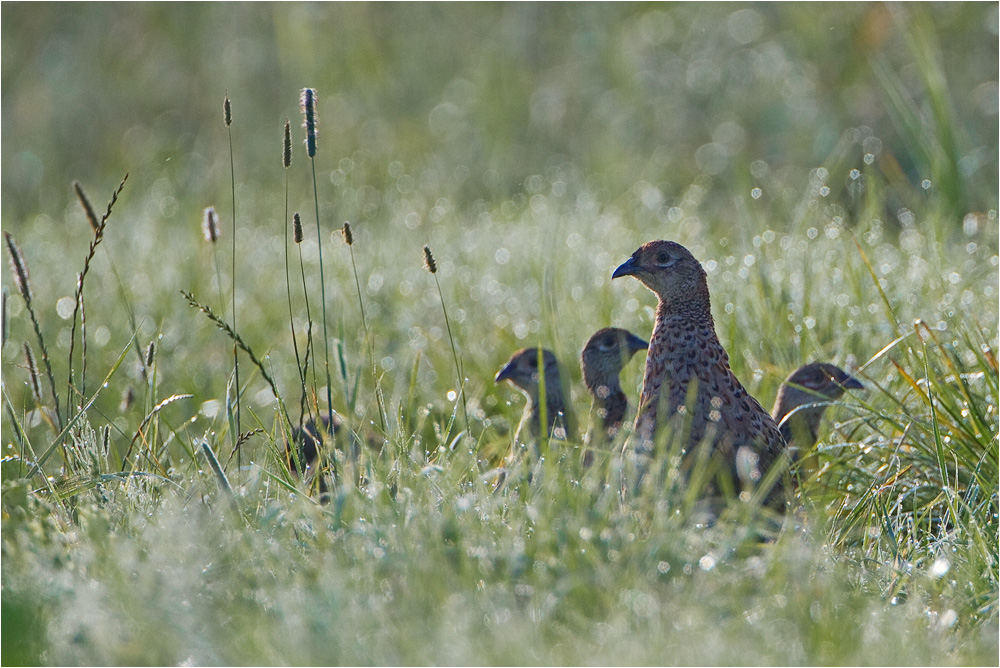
x,y
308,438
604,356
802,399
685,353
522,371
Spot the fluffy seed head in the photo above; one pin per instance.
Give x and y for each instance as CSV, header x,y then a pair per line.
x,y
286,146
348,235
227,108
210,225
429,262
297,227
18,268
308,101
89,210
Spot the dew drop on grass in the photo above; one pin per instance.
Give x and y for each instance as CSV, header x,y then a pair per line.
x,y
940,567
756,193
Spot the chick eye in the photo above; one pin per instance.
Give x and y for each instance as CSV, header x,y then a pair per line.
x,y
662,257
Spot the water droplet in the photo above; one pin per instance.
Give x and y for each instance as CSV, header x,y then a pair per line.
x,y
756,193
940,567
65,307
869,158
925,184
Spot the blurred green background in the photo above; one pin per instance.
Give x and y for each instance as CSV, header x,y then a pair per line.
x,y
472,99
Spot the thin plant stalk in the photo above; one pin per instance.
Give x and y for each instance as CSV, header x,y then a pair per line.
x,y
309,109
21,281
310,354
228,116
286,161
369,339
98,227
431,266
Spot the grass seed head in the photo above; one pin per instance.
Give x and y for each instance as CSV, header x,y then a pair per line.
x,y
286,146
348,235
150,352
308,102
429,262
210,225
6,317
89,210
18,268
128,398
227,108
36,384
297,227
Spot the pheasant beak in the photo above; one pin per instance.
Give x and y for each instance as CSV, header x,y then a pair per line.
x,y
635,344
506,373
852,383
628,268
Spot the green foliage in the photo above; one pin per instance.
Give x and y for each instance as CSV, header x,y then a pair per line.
x,y
833,168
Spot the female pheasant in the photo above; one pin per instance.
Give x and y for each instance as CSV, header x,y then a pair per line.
x,y
687,372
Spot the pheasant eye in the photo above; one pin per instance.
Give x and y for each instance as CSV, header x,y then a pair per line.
x,y
662,258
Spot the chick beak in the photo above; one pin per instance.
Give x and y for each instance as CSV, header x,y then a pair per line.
x,y
506,373
852,383
635,344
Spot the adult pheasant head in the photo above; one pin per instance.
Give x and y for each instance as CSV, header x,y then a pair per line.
x,y
669,270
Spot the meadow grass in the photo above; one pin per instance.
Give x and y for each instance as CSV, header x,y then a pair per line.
x,y
132,535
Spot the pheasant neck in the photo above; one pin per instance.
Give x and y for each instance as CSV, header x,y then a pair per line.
x,y
612,408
